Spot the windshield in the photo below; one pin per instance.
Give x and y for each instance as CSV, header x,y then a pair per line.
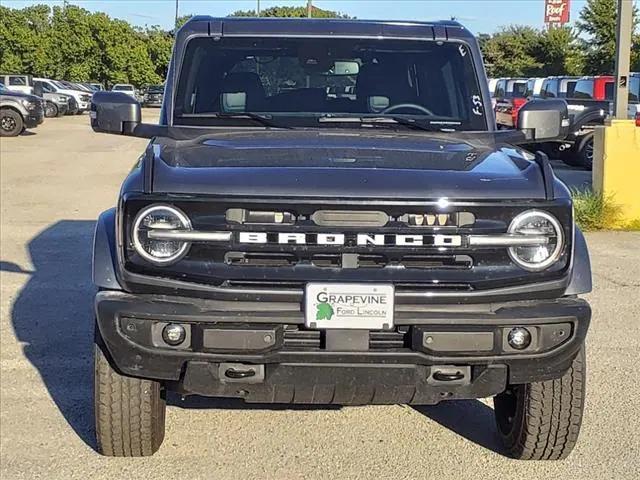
x,y
155,89
303,80
125,88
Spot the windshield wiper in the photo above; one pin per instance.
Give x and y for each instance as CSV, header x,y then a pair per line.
x,y
260,118
382,120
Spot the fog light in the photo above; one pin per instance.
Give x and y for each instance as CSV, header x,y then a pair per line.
x,y
173,334
519,338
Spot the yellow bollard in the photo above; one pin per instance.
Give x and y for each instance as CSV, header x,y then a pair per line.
x,y
616,167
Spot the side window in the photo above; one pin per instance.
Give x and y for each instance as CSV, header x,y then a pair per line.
x,y
634,90
519,89
501,89
608,91
549,88
17,81
46,88
584,89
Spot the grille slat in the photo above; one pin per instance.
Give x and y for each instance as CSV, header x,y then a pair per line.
x,y
296,338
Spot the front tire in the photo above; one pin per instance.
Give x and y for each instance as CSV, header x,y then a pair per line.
x,y
541,420
50,110
11,123
129,412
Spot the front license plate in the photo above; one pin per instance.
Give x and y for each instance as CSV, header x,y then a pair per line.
x,y
349,306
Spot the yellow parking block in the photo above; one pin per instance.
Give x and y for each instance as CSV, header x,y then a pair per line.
x,y
616,167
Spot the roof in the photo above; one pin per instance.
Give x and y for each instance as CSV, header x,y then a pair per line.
x,y
310,27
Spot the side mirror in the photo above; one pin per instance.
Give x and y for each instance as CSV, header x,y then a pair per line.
x,y
544,120
115,112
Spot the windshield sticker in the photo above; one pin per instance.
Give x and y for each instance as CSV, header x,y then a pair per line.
x,y
463,51
477,106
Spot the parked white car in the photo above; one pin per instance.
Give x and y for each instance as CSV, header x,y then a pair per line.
x,y
82,98
125,88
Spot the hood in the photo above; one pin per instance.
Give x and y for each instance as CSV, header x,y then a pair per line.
x,y
26,96
344,164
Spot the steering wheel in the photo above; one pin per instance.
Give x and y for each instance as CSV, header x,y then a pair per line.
x,y
413,106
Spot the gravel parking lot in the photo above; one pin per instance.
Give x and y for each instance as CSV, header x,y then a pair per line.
x,y
54,183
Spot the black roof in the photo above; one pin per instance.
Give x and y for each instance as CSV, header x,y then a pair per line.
x,y
244,26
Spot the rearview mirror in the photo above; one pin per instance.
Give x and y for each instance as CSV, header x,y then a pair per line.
x,y
544,120
115,112
342,67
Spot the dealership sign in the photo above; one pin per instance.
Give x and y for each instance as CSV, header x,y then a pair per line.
x,y
557,11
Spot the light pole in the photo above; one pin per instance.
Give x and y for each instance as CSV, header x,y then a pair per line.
x,y
175,24
309,8
623,58
258,8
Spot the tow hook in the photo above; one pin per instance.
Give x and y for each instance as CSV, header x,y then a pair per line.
x,y
237,374
240,372
450,375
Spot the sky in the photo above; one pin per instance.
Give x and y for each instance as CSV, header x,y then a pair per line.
x,y
480,16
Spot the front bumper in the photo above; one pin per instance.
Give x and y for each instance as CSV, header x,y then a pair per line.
x,y
34,118
261,351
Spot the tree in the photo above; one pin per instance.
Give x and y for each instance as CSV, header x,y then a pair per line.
x,y
559,52
513,52
598,20
290,12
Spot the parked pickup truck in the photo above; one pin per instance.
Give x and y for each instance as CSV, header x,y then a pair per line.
x,y
19,111
281,244
510,96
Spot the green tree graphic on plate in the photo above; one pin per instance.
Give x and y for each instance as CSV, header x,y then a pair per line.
x,y
325,311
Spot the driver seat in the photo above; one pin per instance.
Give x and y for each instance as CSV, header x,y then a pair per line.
x,y
378,81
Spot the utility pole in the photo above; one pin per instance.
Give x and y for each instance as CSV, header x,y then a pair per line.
x,y
309,8
623,58
258,9
175,24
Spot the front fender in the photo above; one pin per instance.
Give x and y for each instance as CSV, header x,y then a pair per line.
x,y
104,252
581,273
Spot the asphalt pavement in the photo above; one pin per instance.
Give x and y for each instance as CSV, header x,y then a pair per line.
x,y
55,182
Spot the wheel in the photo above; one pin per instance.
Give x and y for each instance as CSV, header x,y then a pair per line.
x,y
50,110
585,152
541,420
11,124
129,412
581,155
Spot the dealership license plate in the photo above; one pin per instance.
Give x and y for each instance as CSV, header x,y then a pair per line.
x,y
349,306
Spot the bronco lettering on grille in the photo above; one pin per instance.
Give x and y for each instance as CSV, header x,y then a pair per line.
x,y
359,239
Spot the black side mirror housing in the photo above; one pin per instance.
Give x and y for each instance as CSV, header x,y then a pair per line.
x,y
115,112
544,120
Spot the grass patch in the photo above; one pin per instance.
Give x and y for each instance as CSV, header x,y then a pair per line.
x,y
596,212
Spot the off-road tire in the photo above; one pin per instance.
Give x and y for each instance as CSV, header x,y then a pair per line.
x,y
11,124
581,155
541,420
129,412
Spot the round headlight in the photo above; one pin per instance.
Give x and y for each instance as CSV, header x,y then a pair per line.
x,y
539,255
158,218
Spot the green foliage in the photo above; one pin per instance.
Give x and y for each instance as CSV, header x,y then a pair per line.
x,y
594,211
74,44
290,12
598,20
521,51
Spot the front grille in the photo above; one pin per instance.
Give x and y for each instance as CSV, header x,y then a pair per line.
x,y
296,338
336,260
271,263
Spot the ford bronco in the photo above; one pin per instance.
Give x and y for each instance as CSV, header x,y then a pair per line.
x,y
326,214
